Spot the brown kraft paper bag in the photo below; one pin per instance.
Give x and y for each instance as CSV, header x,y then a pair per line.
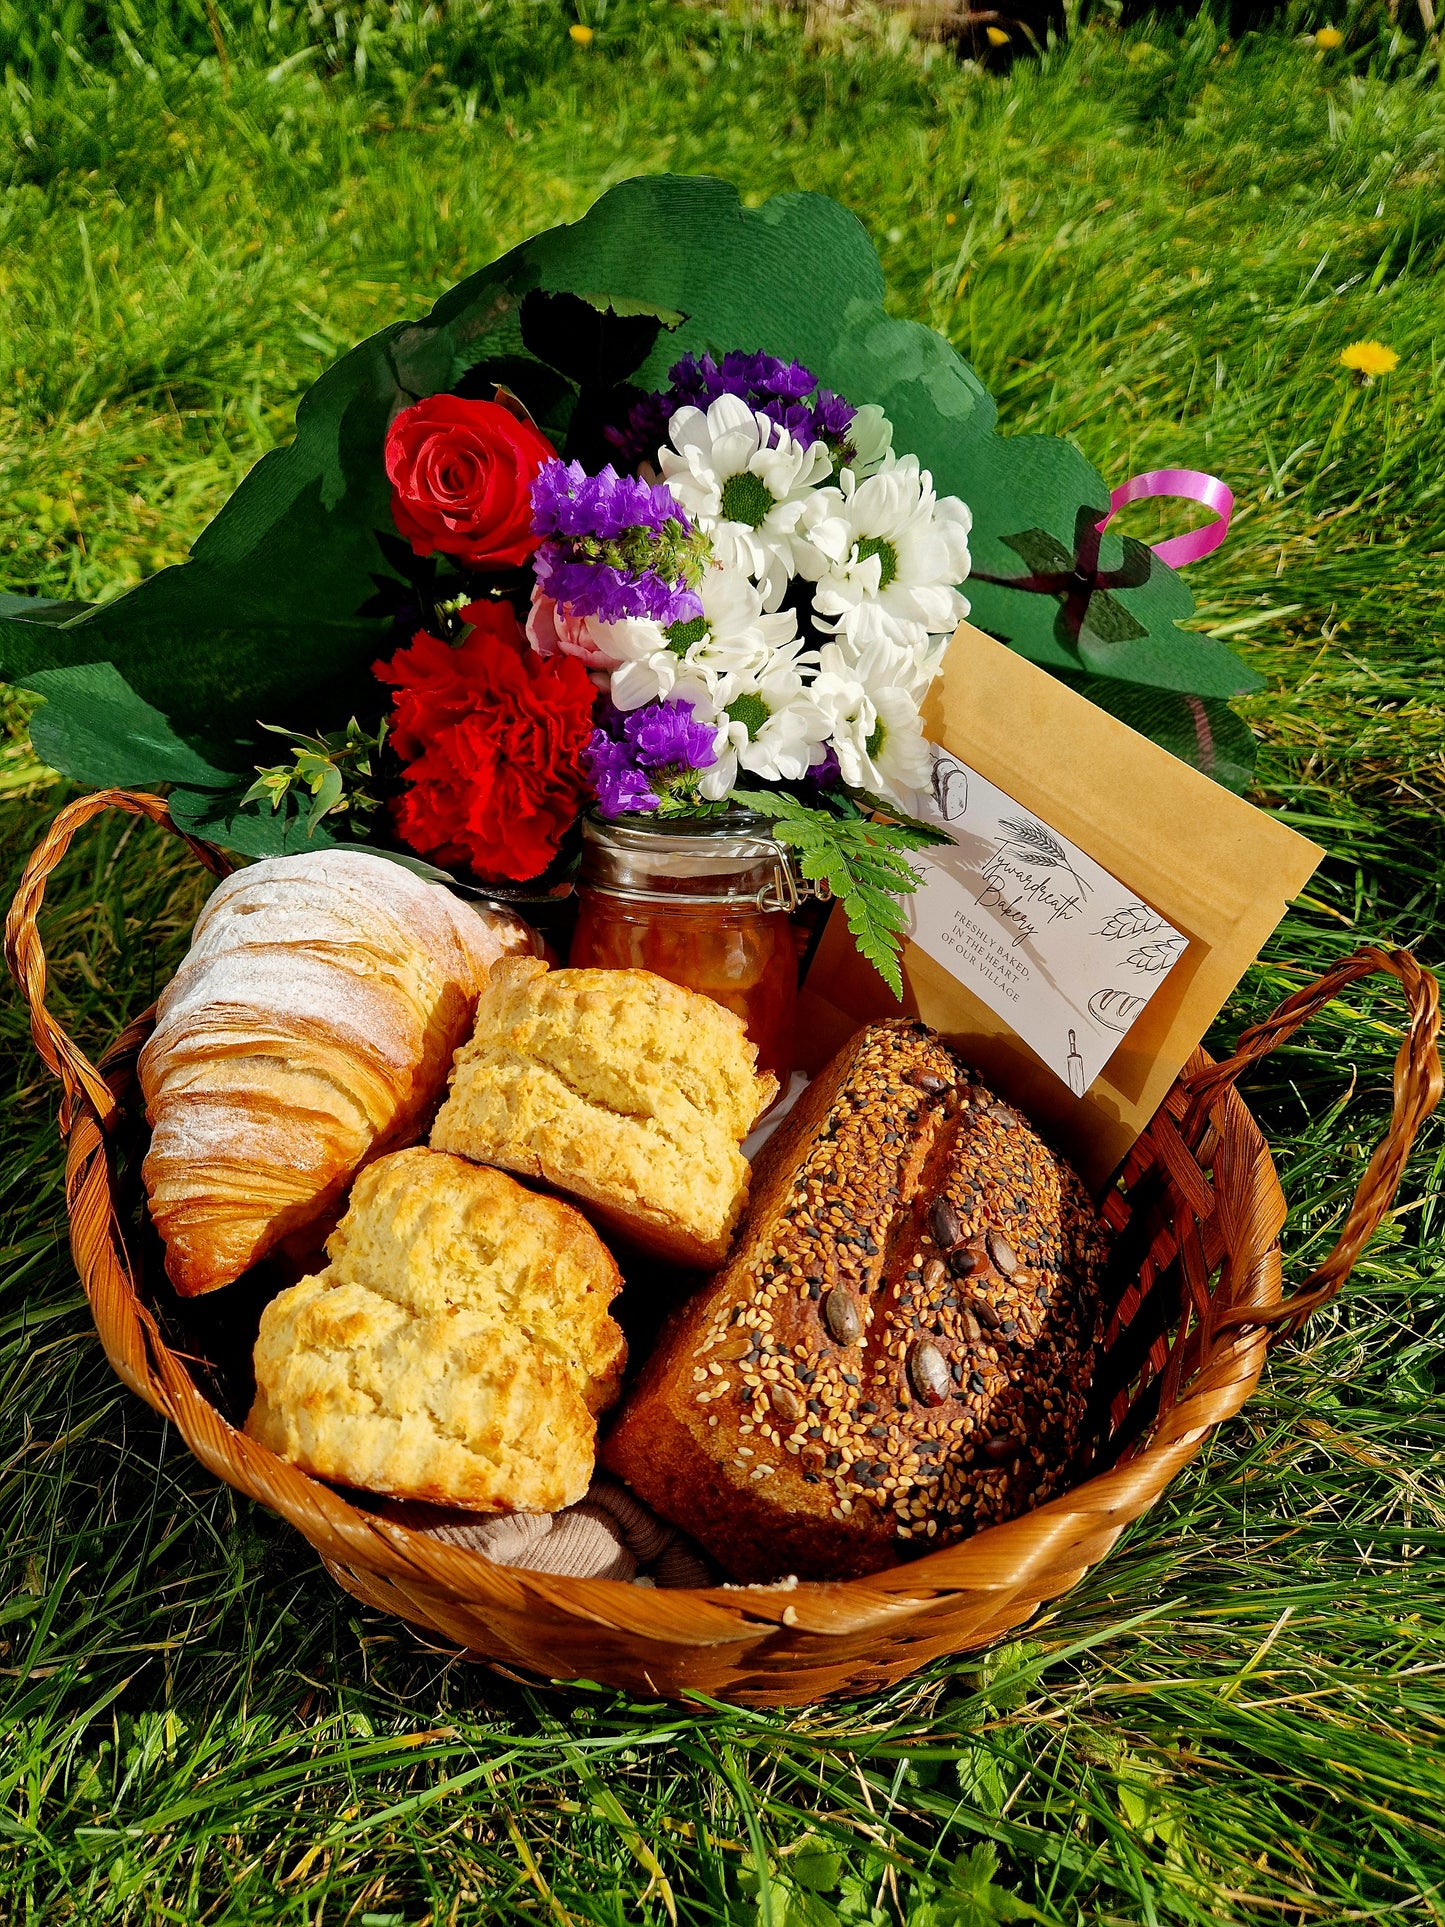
x,y
1219,870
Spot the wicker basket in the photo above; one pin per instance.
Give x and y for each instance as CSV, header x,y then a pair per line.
x,y
1196,1296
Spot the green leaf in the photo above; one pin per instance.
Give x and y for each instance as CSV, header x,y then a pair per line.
x,y
272,786
857,1903
971,1897
977,1899
95,728
979,1780
1005,1675
327,794
223,818
874,946
815,1866
882,908
792,1905
859,859
334,770
911,832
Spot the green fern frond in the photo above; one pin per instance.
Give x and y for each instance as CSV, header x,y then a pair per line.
x,y
862,861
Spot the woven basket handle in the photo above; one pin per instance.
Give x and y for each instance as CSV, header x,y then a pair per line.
x,y
25,954
1417,1086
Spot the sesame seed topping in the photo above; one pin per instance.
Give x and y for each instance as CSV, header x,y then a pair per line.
x,y
1009,1322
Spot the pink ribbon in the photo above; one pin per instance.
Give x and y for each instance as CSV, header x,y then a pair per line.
x,y
1189,485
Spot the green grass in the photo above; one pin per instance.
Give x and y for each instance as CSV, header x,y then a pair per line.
x,y
1151,243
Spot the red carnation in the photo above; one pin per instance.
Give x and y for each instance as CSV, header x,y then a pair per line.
x,y
492,736
461,475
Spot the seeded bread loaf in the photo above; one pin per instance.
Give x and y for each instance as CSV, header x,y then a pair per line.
x,y
901,1347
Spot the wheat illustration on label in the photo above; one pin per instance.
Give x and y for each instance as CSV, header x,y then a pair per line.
x,y
1134,920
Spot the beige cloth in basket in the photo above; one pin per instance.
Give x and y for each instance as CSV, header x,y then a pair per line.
x,y
610,1534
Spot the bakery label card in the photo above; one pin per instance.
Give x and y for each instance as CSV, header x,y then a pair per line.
x,y
1042,934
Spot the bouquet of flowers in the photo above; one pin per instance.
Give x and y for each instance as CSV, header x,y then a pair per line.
x,y
660,515
746,612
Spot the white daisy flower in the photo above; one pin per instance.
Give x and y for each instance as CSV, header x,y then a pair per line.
x,y
730,642
894,552
874,724
870,434
734,638
770,727
635,652
745,483
910,665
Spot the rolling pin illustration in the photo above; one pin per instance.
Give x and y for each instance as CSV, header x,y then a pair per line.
x,y
1076,1067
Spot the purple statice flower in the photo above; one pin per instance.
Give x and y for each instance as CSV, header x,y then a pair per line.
x,y
567,502
785,380
757,378
832,416
794,416
632,754
668,736
619,784
696,380
614,546
786,392
824,418
598,589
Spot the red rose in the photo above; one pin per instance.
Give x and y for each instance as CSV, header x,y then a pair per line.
x,y
492,736
461,475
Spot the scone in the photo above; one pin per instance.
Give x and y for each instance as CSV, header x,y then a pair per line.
x,y
620,1088
456,1348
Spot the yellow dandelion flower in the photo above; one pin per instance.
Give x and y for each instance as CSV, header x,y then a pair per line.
x,y
996,36
1369,358
950,220
582,35
1328,38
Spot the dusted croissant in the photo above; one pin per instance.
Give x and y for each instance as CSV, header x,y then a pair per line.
x,y
310,1028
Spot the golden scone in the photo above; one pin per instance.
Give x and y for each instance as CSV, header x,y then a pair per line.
x,y
456,1348
626,1091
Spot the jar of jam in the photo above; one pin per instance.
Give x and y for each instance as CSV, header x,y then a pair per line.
x,y
707,905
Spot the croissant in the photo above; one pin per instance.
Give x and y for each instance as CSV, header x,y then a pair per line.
x,y
310,1028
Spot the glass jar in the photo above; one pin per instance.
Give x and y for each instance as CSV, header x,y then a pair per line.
x,y
706,905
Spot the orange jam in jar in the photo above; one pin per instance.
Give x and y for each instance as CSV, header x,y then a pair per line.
x,y
705,905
